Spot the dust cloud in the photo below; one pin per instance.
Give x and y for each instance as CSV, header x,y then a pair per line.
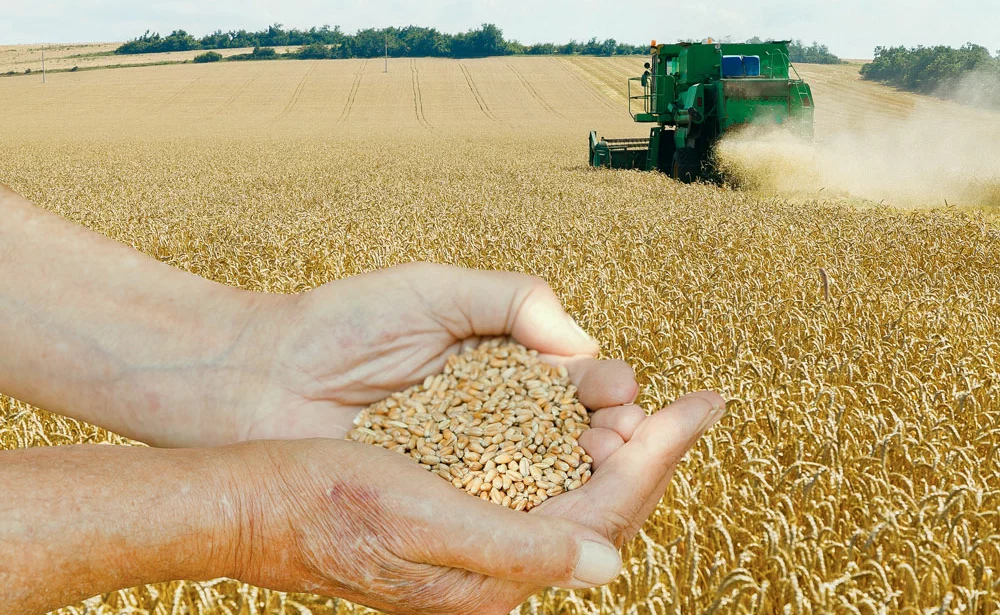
x,y
938,153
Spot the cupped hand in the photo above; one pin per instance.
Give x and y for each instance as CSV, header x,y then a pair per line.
x,y
358,522
634,460
353,342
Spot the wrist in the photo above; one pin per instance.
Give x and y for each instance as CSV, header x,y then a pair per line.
x,y
147,515
252,517
220,368
237,373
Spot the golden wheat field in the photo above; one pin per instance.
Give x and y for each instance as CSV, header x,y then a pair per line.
x,y
858,469
20,58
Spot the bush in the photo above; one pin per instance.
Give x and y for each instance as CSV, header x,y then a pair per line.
x,y
74,69
259,53
208,56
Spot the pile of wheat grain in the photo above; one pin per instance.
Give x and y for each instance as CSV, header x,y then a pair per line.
x,y
498,423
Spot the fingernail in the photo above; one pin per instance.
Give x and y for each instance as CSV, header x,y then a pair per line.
x,y
711,418
580,330
599,564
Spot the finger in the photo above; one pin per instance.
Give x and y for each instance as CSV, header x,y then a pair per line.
x,y
633,475
492,303
6,192
600,444
466,532
599,384
656,496
622,420
647,508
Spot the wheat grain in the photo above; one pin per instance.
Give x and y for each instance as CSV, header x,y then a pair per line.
x,y
498,423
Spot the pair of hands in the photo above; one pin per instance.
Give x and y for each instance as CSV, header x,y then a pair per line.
x,y
366,524
95,330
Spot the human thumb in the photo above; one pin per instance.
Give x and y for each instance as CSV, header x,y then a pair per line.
x,y
495,303
491,540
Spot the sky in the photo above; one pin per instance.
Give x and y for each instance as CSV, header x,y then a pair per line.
x,y
851,28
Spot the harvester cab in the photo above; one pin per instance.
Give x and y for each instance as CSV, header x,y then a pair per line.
x,y
695,93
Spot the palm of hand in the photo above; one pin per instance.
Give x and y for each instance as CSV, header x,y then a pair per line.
x,y
358,340
342,360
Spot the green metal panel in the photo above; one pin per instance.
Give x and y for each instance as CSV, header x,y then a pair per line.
x,y
666,88
773,57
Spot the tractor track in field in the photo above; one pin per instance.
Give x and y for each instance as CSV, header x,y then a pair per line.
x,y
178,94
606,77
587,83
237,93
418,99
298,89
483,106
353,96
531,90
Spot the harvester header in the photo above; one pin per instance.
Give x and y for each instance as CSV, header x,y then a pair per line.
x,y
695,93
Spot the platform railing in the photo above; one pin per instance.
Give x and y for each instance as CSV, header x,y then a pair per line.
x,y
646,96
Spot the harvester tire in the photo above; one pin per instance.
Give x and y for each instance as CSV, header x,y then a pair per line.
x,y
687,165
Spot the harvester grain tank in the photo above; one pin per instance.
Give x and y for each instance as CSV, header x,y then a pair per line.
x,y
695,93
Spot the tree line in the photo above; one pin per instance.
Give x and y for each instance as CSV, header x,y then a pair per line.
x,y
800,53
969,72
411,41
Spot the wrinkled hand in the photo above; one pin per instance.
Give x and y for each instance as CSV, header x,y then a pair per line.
x,y
353,342
358,522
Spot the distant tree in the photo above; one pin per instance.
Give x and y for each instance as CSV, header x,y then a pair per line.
x,y
215,40
800,53
515,48
569,48
486,41
813,54
624,49
178,40
967,72
541,49
314,51
275,36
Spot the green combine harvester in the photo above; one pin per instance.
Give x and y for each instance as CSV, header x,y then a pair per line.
x,y
695,93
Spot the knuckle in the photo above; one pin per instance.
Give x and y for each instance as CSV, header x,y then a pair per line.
x,y
538,283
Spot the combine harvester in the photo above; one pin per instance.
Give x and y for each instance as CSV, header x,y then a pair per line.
x,y
695,93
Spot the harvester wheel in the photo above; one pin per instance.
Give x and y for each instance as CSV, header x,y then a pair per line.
x,y
687,165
